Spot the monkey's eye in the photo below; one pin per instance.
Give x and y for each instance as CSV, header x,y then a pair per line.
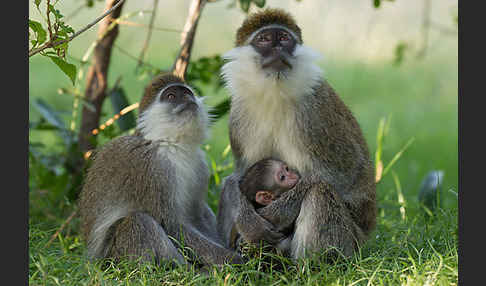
x,y
287,168
264,38
282,177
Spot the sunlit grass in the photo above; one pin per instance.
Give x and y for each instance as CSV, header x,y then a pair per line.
x,y
416,251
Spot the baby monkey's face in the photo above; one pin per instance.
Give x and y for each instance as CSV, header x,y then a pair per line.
x,y
284,178
279,179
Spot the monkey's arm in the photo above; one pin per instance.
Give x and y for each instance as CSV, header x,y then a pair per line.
x,y
283,212
236,211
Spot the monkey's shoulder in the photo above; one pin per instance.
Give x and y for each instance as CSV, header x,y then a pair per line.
x,y
327,105
124,144
124,150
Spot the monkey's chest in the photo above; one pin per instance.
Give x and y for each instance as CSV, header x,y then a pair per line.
x,y
271,130
189,175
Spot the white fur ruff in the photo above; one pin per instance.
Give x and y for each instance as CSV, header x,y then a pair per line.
x,y
180,138
191,175
264,103
158,122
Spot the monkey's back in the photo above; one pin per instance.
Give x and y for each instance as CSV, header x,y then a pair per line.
x,y
122,177
338,146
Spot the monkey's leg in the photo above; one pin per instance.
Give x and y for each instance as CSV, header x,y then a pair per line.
x,y
139,235
227,210
209,250
206,223
236,209
324,223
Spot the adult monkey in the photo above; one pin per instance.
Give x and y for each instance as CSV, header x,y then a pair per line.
x,y
283,108
143,188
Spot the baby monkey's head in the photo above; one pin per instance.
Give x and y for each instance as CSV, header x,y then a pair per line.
x,y
266,180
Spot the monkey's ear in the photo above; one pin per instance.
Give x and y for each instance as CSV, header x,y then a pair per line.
x,y
264,197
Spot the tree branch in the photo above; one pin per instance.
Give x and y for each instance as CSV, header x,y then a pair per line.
x,y
52,44
97,76
179,67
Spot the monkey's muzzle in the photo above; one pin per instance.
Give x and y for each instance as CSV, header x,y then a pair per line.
x,y
277,61
189,105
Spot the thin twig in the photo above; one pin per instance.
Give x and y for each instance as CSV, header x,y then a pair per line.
x,y
51,44
149,34
132,56
115,117
49,28
134,24
73,214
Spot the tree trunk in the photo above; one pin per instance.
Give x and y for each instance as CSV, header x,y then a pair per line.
x,y
96,79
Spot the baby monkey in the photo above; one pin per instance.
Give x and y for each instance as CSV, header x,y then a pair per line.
x,y
266,180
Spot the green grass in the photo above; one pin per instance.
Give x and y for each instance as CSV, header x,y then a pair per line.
x,y
420,97
415,251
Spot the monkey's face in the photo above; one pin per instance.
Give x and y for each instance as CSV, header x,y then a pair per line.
x,y
284,177
175,115
276,47
179,99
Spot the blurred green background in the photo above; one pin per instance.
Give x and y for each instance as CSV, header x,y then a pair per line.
x,y
359,47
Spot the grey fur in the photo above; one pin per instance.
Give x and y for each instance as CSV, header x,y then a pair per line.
x,y
139,194
333,206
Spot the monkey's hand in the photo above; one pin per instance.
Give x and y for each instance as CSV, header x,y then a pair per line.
x,y
283,212
254,228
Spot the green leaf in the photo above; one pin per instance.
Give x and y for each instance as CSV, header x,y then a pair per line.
x,y
56,12
220,110
67,68
39,31
49,113
119,101
42,125
66,28
400,50
376,3
37,3
245,5
259,3
398,155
